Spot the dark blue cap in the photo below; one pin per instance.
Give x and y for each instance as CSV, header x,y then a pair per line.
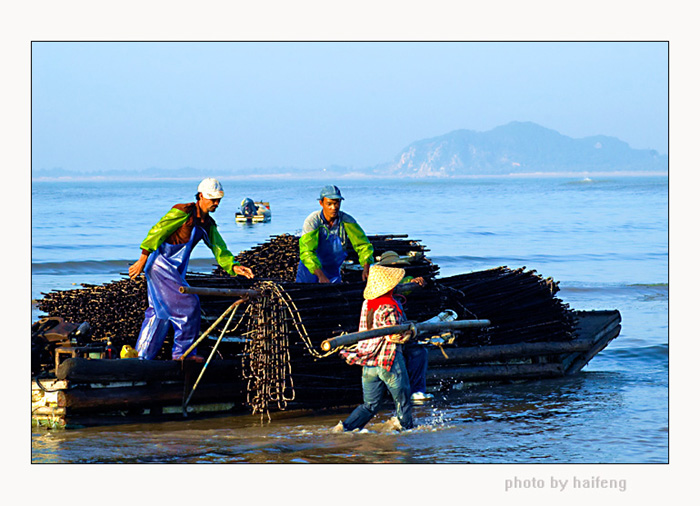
x,y
331,192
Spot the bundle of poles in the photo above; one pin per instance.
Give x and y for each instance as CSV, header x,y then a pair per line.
x,y
520,306
114,310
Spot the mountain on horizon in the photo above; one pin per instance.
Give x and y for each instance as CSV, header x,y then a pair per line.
x,y
515,148
519,148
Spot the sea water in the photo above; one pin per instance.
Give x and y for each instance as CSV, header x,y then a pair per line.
x,y
604,239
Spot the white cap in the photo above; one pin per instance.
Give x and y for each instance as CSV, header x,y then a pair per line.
x,y
210,188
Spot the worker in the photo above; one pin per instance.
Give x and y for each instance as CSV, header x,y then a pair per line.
x,y
415,354
165,253
326,235
392,259
248,207
381,357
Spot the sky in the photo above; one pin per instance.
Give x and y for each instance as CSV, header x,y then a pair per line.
x,y
243,105
135,105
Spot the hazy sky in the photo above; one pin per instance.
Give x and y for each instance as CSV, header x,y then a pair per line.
x,y
230,105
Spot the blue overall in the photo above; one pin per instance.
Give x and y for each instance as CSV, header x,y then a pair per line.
x,y
330,253
165,272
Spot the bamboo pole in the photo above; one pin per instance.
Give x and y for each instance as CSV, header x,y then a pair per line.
x,y
213,351
416,328
213,326
220,292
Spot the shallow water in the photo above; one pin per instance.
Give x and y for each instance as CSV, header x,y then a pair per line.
x,y
605,241
572,420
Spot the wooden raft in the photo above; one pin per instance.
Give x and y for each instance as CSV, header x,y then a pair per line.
x,y
106,391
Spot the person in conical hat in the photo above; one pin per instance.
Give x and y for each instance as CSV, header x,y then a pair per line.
x,y
165,254
415,354
383,363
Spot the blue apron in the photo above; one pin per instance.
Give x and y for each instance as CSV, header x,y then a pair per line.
x,y
330,253
165,273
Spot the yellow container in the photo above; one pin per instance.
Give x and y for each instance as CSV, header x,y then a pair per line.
x,y
128,352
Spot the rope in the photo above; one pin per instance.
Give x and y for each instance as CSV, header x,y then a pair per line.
x,y
42,387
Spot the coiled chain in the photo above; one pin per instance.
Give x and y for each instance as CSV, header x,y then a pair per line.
x,y
267,365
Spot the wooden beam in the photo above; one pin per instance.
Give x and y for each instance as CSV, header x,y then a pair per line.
x,y
85,400
82,370
505,351
493,372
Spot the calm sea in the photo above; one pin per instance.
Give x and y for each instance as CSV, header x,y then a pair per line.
x,y
605,239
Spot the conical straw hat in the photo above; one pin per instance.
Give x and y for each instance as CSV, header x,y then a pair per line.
x,y
382,279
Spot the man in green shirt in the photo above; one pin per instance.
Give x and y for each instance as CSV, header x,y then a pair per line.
x,y
165,253
326,235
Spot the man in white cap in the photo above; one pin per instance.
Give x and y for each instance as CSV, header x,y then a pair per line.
x,y
165,253
382,359
325,238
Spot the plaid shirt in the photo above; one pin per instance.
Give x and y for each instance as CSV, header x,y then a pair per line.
x,y
377,351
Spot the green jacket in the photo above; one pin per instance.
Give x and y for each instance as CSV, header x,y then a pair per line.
x,y
345,227
176,228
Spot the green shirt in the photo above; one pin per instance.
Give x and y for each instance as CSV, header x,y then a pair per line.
x,y
176,228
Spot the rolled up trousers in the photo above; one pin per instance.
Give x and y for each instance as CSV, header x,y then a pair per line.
x,y
375,382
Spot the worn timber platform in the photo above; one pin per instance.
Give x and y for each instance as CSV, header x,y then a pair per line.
x,y
270,360
98,391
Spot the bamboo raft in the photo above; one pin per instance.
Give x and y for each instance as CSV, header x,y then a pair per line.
x,y
269,359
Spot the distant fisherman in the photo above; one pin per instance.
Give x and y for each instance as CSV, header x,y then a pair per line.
x,y
165,253
248,207
326,235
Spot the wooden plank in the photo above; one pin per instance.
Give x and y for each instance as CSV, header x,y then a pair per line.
x,y
590,323
505,351
49,384
81,370
598,326
493,372
607,335
84,400
48,411
200,408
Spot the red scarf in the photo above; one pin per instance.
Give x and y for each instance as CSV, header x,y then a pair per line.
x,y
387,298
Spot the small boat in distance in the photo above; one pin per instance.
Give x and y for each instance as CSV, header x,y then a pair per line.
x,y
261,214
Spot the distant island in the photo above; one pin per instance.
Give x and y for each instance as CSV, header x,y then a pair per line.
x,y
518,148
